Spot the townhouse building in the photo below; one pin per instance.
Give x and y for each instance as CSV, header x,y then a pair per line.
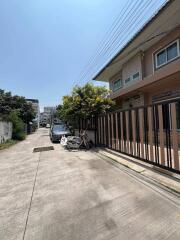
x,y
147,69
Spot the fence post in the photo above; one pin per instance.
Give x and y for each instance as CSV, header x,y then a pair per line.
x,y
134,131
117,133
150,133
109,135
175,136
161,134
104,130
141,121
112,131
122,133
127,132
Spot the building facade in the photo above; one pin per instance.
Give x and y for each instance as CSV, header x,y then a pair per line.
x,y
147,69
35,105
47,116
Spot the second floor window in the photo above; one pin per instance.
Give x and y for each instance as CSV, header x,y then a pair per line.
x,y
136,76
167,54
127,80
117,84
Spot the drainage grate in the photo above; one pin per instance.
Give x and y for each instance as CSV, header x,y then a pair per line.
x,y
42,149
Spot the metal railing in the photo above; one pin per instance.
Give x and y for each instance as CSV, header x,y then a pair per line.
x,y
150,133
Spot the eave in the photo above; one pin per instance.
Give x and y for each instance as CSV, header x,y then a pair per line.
x,y
148,35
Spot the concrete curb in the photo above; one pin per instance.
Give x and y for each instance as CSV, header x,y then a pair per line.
x,y
167,179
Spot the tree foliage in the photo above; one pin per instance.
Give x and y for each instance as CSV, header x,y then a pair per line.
x,y
18,126
9,103
85,102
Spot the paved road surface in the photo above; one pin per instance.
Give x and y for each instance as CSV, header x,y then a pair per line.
x,y
60,195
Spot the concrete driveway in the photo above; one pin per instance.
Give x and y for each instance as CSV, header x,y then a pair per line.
x,y
61,195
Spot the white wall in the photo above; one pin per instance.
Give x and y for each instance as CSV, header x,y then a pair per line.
x,y
5,131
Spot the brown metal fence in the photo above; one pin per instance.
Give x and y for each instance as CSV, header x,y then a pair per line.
x,y
150,133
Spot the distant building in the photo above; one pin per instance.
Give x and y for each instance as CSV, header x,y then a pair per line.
x,y
46,117
35,105
49,110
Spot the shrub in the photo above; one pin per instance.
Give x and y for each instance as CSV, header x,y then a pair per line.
x,y
18,126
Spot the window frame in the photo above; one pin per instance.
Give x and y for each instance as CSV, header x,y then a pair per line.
x,y
129,80
165,48
136,78
132,79
121,85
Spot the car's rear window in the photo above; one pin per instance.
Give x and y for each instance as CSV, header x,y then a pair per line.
x,y
59,128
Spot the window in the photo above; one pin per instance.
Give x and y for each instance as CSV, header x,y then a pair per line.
x,y
172,51
59,128
161,58
136,76
117,85
167,54
132,78
127,80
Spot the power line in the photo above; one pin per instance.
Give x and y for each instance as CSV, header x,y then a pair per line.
x,y
109,31
129,26
130,29
137,23
119,28
124,38
122,24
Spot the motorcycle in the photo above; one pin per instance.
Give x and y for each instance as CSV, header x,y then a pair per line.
x,y
74,142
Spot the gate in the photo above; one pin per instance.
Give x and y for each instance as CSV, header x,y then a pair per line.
x,y
150,133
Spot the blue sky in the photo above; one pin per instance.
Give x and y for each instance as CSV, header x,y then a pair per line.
x,y
45,44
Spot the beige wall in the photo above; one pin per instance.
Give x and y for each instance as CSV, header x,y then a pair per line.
x,y
148,55
134,101
131,67
166,78
165,88
144,63
115,77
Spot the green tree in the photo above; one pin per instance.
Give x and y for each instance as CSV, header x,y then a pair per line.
x,y
9,103
18,126
5,102
85,102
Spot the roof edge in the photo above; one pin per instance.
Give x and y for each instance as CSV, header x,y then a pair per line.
x,y
150,21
